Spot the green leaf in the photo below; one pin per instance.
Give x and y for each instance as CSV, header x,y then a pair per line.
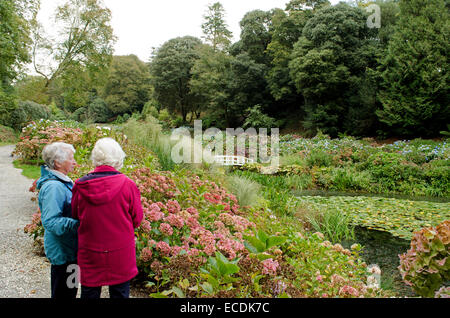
x,y
177,291
158,295
213,281
207,287
250,247
263,257
256,243
262,236
275,240
184,283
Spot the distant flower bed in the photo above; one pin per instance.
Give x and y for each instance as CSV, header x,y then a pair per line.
x,y
418,167
417,151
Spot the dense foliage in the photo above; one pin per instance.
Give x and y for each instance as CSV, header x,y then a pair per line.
x,y
309,66
196,241
415,167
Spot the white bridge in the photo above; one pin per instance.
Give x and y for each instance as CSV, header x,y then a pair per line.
x,y
232,160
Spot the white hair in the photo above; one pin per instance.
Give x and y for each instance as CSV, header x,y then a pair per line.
x,y
57,151
107,152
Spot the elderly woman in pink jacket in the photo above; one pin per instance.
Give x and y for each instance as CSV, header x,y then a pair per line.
x,y
108,206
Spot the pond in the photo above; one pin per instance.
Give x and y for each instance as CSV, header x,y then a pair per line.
x,y
325,193
382,248
379,247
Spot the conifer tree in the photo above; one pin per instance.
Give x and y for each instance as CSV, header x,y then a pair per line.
x,y
215,29
415,70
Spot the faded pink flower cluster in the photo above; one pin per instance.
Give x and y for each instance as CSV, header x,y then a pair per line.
x,y
166,229
347,290
179,228
146,254
35,223
270,267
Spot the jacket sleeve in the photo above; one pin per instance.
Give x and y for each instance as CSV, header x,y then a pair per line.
x,y
74,205
53,198
136,207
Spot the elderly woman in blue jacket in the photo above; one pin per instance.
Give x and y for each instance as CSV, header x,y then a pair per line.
x,y
60,238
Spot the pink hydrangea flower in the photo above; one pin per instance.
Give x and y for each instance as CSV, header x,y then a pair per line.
x,y
154,215
173,206
348,290
146,226
163,248
166,229
270,267
146,254
192,211
175,220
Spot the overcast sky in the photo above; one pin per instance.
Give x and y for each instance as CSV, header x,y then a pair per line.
x,y
142,24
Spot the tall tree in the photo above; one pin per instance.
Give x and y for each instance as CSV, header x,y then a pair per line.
x,y
227,85
256,27
415,71
127,85
215,29
287,29
85,40
328,63
170,70
15,44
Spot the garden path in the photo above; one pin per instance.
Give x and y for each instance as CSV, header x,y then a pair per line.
x,y
23,273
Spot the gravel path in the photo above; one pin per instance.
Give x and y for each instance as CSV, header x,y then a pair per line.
x,y
23,273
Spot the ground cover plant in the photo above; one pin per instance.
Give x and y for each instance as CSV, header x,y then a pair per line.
x,y
197,241
7,135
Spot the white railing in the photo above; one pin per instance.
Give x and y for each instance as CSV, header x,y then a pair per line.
x,y
232,160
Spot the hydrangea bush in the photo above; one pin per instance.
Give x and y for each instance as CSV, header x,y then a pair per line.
x,y
426,265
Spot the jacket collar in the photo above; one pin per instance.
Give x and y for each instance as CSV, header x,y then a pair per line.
x,y
48,174
104,169
61,176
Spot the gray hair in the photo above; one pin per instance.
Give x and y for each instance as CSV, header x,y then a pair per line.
x,y
57,151
107,152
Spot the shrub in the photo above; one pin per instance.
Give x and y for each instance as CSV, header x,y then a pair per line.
x,y
36,136
257,119
321,269
391,168
28,111
79,115
98,111
150,108
319,158
7,135
56,112
165,118
426,265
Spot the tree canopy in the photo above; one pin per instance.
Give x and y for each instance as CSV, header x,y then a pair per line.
x,y
306,67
